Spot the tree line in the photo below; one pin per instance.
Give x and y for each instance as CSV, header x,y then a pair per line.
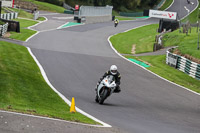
x,y
119,5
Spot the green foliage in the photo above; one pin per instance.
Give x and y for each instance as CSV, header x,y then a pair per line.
x,y
1,23
55,2
119,5
47,6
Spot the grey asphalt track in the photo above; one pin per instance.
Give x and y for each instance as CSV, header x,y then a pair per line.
x,y
75,58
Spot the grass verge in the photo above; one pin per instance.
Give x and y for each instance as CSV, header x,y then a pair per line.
x,y
23,89
123,43
187,43
166,4
47,6
143,38
24,33
124,18
159,66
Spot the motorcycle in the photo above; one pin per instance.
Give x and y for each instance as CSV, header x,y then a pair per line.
x,y
105,88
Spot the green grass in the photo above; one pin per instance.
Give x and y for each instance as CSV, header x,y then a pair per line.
x,y
24,33
124,18
23,88
23,14
166,4
41,19
115,13
146,36
143,38
159,66
187,43
47,7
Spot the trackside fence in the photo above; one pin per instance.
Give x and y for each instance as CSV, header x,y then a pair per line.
x,y
9,16
3,29
185,65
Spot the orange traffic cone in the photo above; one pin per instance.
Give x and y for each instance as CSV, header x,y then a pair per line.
x,y
72,108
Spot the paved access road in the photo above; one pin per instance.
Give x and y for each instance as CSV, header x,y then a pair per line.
x,y
75,58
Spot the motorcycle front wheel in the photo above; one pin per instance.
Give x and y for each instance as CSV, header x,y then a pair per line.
x,y
103,95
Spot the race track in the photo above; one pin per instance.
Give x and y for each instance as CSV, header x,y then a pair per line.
x,y
75,58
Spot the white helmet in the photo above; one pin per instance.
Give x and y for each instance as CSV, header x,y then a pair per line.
x,y
113,69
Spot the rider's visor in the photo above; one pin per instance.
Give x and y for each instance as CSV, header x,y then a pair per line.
x,y
114,71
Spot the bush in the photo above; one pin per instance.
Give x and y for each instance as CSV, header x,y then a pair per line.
x,y
55,2
1,23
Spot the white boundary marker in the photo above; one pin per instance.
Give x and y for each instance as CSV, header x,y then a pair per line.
x,y
144,67
61,95
47,118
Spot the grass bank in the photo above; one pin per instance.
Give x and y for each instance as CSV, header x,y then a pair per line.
x,y
166,4
47,6
23,89
143,39
123,43
187,43
124,18
24,32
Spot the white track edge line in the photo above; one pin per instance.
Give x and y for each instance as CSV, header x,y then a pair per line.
x,y
169,6
192,10
144,67
47,118
61,95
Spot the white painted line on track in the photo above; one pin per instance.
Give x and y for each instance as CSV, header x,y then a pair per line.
x,y
63,17
61,95
144,67
192,10
47,118
30,27
69,26
60,27
169,6
49,14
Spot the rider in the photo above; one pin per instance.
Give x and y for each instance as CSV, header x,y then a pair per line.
x,y
116,21
113,71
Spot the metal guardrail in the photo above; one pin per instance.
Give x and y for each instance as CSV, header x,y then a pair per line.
x,y
3,29
129,14
185,65
9,16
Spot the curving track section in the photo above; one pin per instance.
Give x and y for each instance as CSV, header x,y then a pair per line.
x,y
75,58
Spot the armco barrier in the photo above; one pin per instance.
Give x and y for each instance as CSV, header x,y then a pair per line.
x,y
183,64
3,29
9,16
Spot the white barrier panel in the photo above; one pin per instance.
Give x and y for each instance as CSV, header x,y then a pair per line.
x,y
7,3
162,14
